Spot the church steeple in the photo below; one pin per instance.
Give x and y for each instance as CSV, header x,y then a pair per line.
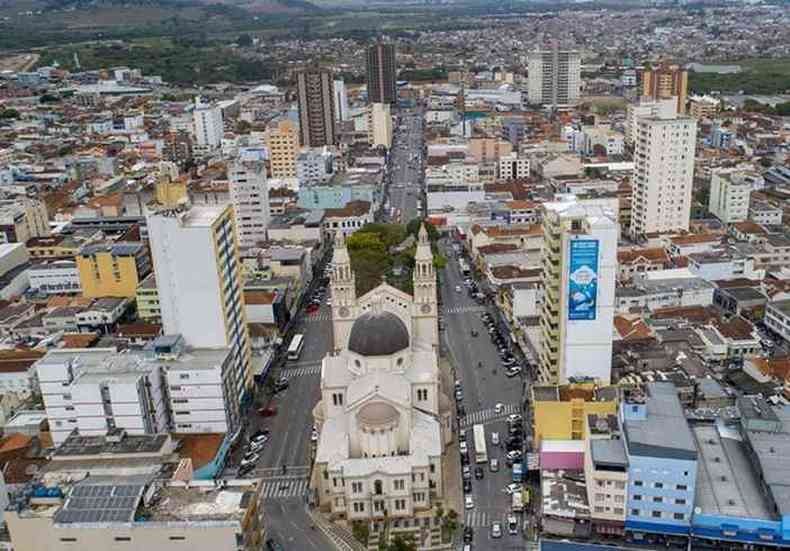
x,y
342,285
425,313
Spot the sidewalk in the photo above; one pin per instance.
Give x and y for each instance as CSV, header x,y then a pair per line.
x,y
451,461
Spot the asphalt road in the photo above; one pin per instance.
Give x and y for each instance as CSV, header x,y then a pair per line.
x,y
482,389
406,171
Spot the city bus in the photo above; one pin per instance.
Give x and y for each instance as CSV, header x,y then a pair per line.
x,y
296,346
481,455
463,266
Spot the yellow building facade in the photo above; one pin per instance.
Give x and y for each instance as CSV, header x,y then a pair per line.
x,y
282,142
560,412
112,269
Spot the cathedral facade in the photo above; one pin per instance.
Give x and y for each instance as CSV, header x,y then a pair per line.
x,y
383,417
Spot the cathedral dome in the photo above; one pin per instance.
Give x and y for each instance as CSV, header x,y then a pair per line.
x,y
378,334
377,414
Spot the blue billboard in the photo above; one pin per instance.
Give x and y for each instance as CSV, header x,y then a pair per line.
x,y
583,279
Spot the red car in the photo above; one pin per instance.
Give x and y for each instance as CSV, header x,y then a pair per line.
x,y
312,308
268,412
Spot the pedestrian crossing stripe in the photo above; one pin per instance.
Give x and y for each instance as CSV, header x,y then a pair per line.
x,y
301,371
485,416
313,318
293,471
280,489
478,519
463,309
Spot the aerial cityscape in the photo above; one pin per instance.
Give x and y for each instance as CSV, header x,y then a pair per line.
x,y
348,275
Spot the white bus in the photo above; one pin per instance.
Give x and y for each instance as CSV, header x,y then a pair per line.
x,y
481,455
463,266
295,348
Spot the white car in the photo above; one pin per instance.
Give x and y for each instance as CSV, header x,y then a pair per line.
x,y
493,465
251,460
496,529
514,455
469,503
499,408
457,288
513,487
463,447
495,438
314,435
514,418
512,525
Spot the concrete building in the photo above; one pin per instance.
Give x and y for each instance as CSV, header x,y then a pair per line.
x,y
729,196
198,275
777,318
341,101
22,219
56,277
145,509
666,81
282,141
249,194
207,119
380,125
722,137
579,276
314,166
663,174
384,419
560,412
606,474
381,67
316,99
646,107
513,167
703,107
147,300
112,269
662,463
554,76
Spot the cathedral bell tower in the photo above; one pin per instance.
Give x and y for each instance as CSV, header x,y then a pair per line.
x,y
344,293
425,315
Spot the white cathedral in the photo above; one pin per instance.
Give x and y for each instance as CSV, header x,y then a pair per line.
x,y
383,419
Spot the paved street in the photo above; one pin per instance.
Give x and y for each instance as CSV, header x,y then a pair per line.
x,y
404,189
482,389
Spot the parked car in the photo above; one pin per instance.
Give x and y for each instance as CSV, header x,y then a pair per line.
x,y
493,465
469,502
249,459
513,371
467,486
496,530
495,438
469,534
467,472
514,417
512,525
479,473
512,487
273,545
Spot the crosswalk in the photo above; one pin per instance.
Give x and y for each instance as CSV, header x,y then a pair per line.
x,y
485,416
285,487
318,317
463,309
478,519
292,372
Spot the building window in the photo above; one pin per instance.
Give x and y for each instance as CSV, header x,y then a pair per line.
x,y
598,509
122,538
637,497
679,516
635,512
638,483
400,484
599,498
68,540
356,487
682,487
658,485
680,501
656,514
618,510
657,499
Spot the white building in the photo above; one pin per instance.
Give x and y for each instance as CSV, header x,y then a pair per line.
x,y
198,275
380,124
207,119
777,318
97,390
249,193
647,107
601,139
513,167
729,196
663,174
314,166
384,419
554,77
55,278
341,101
579,275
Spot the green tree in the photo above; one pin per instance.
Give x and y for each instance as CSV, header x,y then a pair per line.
x,y
365,240
243,127
783,109
9,114
401,543
361,532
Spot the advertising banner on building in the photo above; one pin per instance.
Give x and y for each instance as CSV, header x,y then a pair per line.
x,y
583,279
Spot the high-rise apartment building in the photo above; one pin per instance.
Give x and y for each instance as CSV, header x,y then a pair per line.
x,y
112,269
380,124
249,193
646,106
316,96
341,101
207,119
282,141
666,81
663,174
381,69
198,274
554,77
579,273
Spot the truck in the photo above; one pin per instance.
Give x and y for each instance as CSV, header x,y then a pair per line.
x,y
518,502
